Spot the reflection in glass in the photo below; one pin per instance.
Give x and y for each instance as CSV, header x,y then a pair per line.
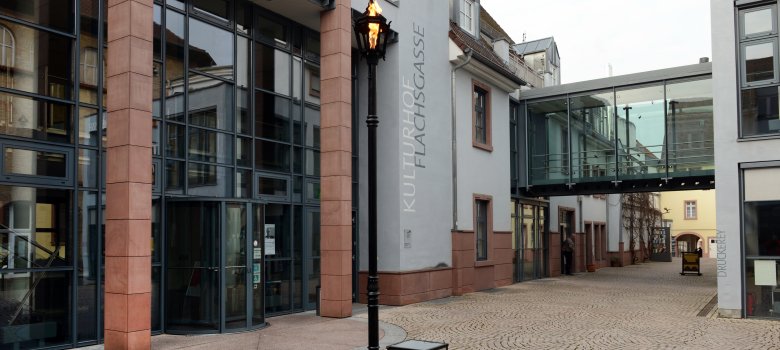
x,y
272,156
243,17
311,82
192,297
211,49
760,113
243,183
243,122
243,57
87,256
272,31
270,186
44,310
762,237
88,126
244,151
174,146
235,270
640,132
760,62
312,127
174,177
312,191
209,180
86,175
174,66
157,17
258,240
40,163
548,141
210,146
32,118
58,14
689,126
210,103
593,137
272,69
34,228
216,8
272,117
758,22
312,163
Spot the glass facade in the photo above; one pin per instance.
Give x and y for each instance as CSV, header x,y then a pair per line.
x,y
761,242
236,133
759,72
653,131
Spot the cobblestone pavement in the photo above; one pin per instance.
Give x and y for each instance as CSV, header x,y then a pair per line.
x,y
646,306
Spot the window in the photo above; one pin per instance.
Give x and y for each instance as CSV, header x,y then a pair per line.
x,y
7,47
760,76
89,71
467,16
482,227
481,117
690,210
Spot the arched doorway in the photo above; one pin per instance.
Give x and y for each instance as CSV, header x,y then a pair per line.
x,y
687,242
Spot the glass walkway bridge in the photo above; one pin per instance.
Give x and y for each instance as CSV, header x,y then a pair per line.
x,y
649,131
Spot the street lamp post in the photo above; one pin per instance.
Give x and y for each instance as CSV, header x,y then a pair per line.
x,y
371,31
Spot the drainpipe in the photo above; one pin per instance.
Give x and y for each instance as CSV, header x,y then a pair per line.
x,y
468,53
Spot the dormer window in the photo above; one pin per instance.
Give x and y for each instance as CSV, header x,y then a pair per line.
x,y
467,16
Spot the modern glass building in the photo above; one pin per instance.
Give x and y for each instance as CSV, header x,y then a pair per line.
x,y
236,178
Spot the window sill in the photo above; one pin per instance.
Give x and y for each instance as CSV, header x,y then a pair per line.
x,y
482,146
483,263
759,137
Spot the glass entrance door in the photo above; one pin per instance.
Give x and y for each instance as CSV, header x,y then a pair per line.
x,y
311,256
213,265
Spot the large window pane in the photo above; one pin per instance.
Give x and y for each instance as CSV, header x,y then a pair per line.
x,y
209,180
760,113
45,308
34,228
758,21
19,161
593,137
272,156
762,297
174,52
88,254
759,62
216,8
272,117
272,69
272,31
86,175
174,145
312,127
36,119
211,49
41,62
689,126
210,103
56,14
174,177
640,132
210,146
761,222
548,154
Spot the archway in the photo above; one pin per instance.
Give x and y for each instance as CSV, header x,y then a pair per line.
x,y
687,242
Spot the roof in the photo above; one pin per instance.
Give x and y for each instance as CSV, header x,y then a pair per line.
x,y
482,51
534,46
489,25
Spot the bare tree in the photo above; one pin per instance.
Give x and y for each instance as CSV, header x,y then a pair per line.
x,y
640,218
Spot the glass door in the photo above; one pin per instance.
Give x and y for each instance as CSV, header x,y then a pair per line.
x,y
214,267
193,251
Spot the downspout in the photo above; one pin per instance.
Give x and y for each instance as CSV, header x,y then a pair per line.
x,y
468,53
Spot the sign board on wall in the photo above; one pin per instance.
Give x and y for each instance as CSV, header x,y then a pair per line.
x,y
270,239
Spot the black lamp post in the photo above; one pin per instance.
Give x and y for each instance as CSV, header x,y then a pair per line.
x,y
371,31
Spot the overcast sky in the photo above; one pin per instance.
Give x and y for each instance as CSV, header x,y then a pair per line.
x,y
632,35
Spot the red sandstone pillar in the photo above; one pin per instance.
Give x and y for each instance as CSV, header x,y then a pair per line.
x,y
336,159
127,322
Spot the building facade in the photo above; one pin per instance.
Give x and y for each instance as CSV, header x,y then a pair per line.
x,y
745,79
690,215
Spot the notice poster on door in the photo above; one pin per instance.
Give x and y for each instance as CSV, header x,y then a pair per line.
x,y
270,239
765,272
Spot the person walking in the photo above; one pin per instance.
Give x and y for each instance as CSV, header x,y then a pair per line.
x,y
568,255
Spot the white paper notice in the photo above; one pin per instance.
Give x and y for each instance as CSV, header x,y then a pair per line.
x,y
766,272
270,239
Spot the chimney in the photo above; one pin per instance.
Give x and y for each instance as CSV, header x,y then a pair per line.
x,y
501,48
704,60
